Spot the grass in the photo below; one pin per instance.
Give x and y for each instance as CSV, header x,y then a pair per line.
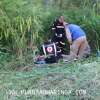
x,y
78,80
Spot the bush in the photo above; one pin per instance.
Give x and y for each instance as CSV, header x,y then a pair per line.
x,y
26,24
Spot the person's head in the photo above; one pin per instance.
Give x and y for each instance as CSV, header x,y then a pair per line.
x,y
61,19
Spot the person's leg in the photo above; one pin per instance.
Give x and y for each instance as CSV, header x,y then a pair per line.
x,y
75,48
84,50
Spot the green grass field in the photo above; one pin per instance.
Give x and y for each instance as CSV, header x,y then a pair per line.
x,y
78,80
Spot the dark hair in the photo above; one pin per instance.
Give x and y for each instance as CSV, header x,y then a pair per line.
x,y
56,23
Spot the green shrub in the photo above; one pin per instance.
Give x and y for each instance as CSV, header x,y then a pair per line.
x,y
26,24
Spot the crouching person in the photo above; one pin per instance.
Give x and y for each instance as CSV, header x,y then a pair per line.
x,y
76,36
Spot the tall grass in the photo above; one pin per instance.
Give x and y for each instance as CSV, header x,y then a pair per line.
x,y
23,25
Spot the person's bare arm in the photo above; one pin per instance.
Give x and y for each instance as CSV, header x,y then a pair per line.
x,y
68,34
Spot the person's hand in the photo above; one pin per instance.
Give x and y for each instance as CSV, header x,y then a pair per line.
x,y
70,47
64,23
70,42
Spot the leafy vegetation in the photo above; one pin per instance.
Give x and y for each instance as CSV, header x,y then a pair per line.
x,y
23,24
